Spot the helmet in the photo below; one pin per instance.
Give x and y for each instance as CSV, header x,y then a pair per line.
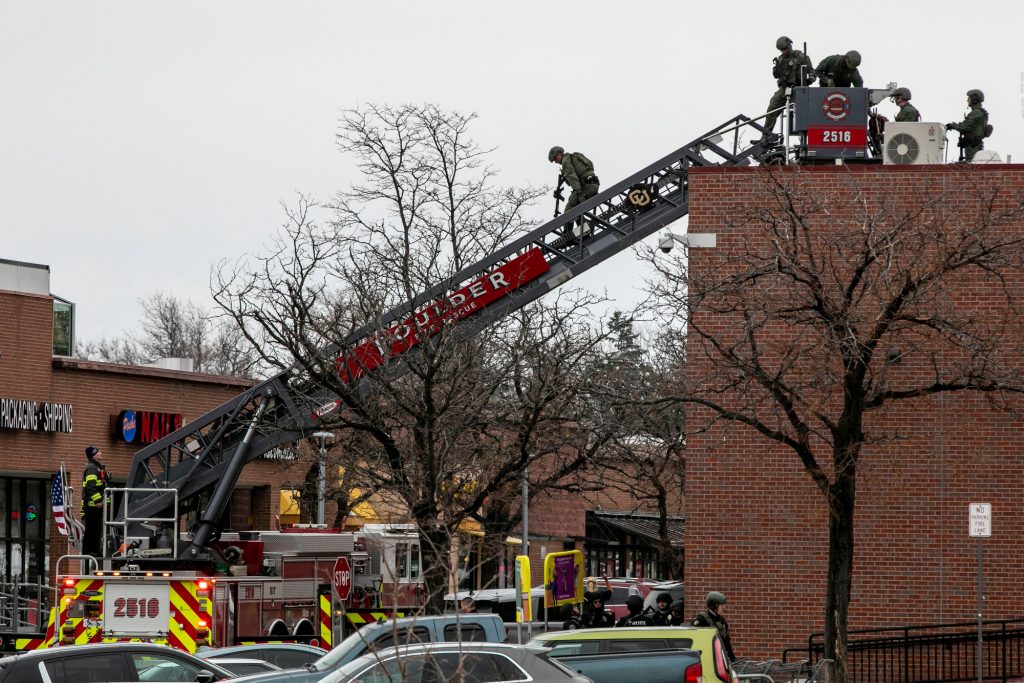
x,y
664,597
715,599
635,604
853,57
975,96
901,92
783,43
677,607
554,152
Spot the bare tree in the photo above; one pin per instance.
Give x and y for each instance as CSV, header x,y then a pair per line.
x,y
646,457
836,306
173,328
461,412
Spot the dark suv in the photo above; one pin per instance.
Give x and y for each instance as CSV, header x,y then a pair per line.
x,y
103,663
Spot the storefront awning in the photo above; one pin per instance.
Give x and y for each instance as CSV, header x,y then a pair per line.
x,y
641,525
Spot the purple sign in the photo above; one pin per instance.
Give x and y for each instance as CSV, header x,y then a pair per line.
x,y
565,578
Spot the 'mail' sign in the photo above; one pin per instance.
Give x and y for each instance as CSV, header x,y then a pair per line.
x,y
429,320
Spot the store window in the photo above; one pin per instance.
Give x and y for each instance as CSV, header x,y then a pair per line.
x,y
63,327
24,530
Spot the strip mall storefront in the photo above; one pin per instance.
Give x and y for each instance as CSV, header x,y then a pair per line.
x,y
53,405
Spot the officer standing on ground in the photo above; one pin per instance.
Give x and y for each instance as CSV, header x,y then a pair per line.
x,y
578,173
662,616
907,112
974,128
792,69
714,618
840,71
94,482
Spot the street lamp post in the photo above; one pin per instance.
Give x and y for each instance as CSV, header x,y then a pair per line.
x,y
323,440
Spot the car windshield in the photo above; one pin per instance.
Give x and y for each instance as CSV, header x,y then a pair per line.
x,y
331,659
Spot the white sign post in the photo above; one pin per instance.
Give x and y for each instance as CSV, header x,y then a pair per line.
x,y
979,526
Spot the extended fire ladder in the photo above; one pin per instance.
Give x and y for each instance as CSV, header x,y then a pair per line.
x,y
207,455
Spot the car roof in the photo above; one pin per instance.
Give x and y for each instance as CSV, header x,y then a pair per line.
x,y
228,649
91,647
641,632
224,661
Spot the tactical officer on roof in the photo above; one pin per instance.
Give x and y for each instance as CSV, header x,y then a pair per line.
x,y
840,71
974,128
578,173
791,69
907,112
714,618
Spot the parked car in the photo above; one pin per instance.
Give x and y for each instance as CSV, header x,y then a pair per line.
x,y
714,663
673,588
382,636
282,655
440,662
243,666
622,587
649,666
500,601
105,662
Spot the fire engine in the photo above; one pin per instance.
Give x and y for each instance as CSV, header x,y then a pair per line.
x,y
296,585
205,587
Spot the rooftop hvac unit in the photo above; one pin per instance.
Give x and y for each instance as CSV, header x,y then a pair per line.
x,y
914,143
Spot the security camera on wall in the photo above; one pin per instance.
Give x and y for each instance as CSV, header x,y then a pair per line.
x,y
665,243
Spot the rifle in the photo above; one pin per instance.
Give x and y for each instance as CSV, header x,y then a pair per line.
x,y
559,197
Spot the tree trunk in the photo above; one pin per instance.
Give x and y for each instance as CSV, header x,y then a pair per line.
x,y
668,563
492,550
841,498
435,546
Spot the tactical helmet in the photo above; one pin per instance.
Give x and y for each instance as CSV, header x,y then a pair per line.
x,y
901,92
715,599
975,96
635,604
853,58
554,152
664,597
783,43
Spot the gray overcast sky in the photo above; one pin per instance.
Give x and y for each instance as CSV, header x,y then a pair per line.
x,y
141,142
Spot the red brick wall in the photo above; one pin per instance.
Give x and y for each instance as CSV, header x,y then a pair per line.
x,y
97,391
756,527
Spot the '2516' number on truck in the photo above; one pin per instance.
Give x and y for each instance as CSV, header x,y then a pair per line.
x,y
137,607
835,136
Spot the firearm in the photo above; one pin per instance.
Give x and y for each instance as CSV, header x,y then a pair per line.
x,y
559,197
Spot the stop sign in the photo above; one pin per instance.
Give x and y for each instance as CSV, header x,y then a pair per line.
x,y
342,578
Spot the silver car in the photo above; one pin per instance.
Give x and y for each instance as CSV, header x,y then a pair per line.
x,y
455,662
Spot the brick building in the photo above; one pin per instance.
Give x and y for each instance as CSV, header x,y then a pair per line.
x,y
765,541
53,405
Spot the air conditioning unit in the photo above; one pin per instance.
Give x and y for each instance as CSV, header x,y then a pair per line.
x,y
914,143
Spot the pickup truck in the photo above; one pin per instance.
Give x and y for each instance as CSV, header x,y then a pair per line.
x,y
384,634
650,666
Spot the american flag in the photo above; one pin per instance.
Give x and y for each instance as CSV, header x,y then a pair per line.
x,y
57,503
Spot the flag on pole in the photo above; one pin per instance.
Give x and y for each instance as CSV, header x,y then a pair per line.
x,y
57,503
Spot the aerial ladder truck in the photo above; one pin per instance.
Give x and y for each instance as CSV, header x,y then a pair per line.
x,y
190,590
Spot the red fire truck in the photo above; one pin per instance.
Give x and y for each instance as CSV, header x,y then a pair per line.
x,y
299,585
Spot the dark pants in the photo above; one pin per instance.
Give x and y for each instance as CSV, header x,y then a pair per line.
x,y
586,192
93,535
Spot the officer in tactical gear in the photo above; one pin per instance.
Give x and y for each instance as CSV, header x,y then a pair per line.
x,y
596,616
636,616
974,128
792,69
94,482
840,71
714,618
662,616
578,173
907,112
